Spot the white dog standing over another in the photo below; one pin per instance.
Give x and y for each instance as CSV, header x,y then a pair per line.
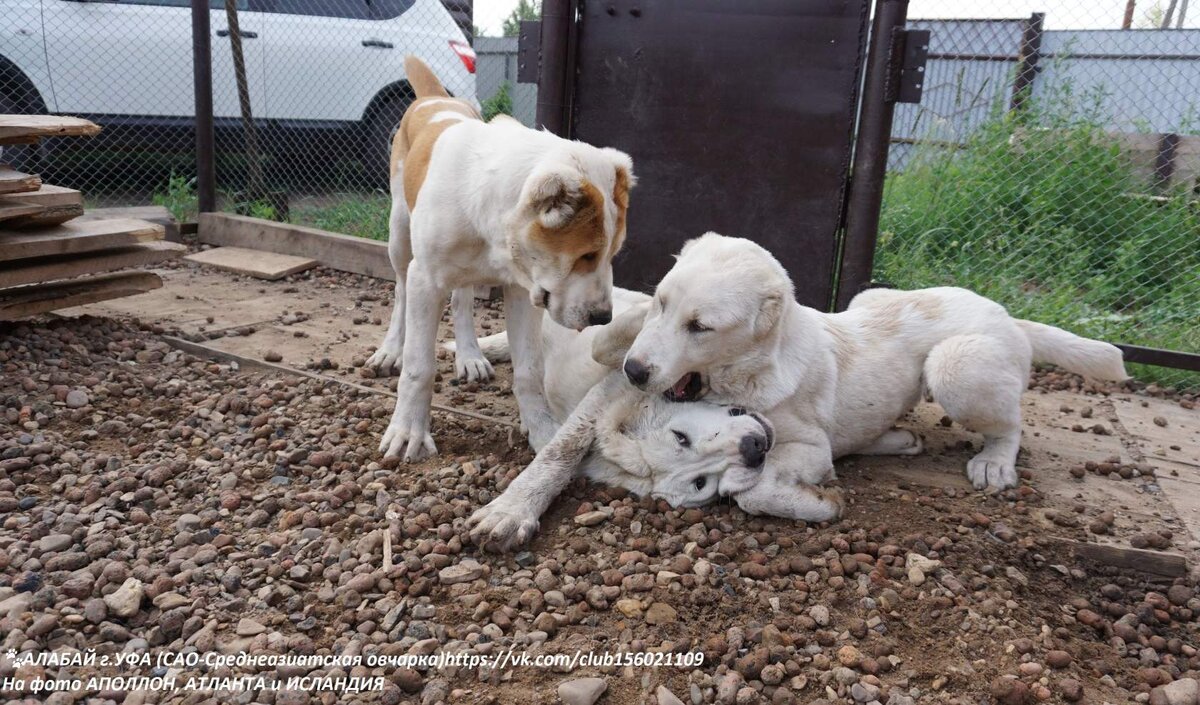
x,y
724,320
492,203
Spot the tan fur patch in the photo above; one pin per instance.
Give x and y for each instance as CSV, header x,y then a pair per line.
x,y
885,318
580,236
844,348
414,141
621,199
928,306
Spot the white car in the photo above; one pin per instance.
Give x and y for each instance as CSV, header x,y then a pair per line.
x,y
317,66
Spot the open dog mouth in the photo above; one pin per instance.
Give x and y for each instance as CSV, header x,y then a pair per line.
x,y
689,387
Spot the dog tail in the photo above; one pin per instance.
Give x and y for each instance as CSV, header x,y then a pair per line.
x,y
422,80
1091,358
494,347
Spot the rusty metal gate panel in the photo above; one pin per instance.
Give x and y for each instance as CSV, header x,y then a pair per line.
x,y
739,115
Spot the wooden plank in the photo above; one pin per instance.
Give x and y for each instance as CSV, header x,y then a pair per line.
x,y
59,205
48,217
154,214
1156,562
46,269
51,195
21,129
42,298
77,237
14,210
344,252
256,263
13,181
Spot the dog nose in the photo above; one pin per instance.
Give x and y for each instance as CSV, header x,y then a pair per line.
x,y
754,450
637,373
599,318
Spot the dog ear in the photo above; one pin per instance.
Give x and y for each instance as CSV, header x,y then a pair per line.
x,y
612,341
554,193
770,308
626,180
616,429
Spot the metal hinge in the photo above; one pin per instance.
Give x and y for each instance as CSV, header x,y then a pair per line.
x,y
529,51
906,65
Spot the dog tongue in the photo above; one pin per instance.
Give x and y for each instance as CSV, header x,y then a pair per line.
x,y
680,388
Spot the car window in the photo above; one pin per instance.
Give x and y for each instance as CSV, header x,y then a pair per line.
x,y
387,9
351,9
214,4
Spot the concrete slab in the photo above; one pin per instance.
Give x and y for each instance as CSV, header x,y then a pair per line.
x,y
255,263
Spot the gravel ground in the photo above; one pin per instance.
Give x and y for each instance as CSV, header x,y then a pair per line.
x,y
154,501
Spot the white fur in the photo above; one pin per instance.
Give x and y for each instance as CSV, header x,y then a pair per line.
x,y
620,436
834,384
471,225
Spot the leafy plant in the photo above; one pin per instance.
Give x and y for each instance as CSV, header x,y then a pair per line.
x,y
179,198
500,103
261,209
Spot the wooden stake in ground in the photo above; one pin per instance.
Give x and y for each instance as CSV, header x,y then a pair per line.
x,y
255,190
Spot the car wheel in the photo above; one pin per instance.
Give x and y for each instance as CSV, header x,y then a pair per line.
x,y
22,157
381,127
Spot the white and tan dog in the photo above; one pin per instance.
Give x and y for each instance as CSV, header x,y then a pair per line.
x,y
500,204
724,325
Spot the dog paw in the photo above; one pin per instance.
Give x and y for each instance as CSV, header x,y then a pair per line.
x,y
386,360
985,472
835,499
911,447
816,475
411,436
500,526
472,368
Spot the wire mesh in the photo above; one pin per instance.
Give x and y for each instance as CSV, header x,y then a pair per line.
x,y
324,81
1054,166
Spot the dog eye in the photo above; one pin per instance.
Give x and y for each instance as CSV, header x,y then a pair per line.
x,y
682,438
700,482
590,257
694,326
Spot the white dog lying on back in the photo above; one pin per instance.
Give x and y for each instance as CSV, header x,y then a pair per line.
x,y
723,325
644,442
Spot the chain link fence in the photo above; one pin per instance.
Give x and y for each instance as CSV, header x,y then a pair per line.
x,y
1054,165
323,82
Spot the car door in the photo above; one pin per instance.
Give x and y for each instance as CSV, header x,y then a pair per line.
x,y
134,57
22,45
326,59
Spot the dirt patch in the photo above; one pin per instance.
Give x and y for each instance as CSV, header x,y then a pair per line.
x,y
263,497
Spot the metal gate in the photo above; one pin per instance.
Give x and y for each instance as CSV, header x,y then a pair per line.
x,y
740,117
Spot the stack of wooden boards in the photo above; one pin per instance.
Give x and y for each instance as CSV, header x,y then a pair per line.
x,y
49,260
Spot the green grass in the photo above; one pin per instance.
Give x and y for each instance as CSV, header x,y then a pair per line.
x,y
1048,217
358,214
